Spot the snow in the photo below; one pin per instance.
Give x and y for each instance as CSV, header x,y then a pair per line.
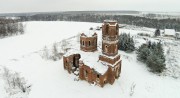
x,y
135,31
178,35
89,33
91,59
71,52
111,57
49,80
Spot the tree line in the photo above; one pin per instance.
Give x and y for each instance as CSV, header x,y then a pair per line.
x,y
99,18
10,27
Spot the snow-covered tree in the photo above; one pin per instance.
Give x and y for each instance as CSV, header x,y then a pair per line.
x,y
46,53
153,55
64,45
142,53
21,28
55,52
155,63
126,43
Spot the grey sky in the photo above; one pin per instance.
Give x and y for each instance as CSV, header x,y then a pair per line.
x,y
16,6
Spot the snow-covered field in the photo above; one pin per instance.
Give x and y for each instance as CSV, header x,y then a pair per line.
x,y
49,80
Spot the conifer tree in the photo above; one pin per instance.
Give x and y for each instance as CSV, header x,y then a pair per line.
x,y
153,55
126,43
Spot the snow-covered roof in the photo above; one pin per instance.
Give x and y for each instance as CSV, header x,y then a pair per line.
x,y
89,33
169,32
91,59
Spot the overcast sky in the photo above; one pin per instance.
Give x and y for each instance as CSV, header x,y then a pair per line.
x,y
16,6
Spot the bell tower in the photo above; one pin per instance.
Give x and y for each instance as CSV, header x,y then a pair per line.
x,y
110,56
110,33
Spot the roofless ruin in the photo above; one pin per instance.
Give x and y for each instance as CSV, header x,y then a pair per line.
x,y
96,66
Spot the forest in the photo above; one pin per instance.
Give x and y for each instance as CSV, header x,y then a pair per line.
x,y
167,23
10,27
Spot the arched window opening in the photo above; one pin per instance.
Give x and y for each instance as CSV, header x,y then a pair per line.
x,y
85,73
107,28
104,81
83,43
97,76
89,43
106,48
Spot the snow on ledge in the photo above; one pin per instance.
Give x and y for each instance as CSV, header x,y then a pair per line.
x,y
89,33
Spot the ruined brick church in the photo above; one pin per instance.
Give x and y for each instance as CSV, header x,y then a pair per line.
x,y
96,66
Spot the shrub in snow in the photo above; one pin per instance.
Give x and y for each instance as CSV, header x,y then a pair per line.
x,y
55,55
153,56
132,89
45,54
64,45
157,32
56,51
91,28
126,43
15,83
143,34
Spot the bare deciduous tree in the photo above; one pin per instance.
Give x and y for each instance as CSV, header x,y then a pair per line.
x,y
15,83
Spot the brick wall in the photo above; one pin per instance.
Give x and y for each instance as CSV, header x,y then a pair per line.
x,y
88,44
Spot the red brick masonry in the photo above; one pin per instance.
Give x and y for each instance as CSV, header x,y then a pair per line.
x,y
109,57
